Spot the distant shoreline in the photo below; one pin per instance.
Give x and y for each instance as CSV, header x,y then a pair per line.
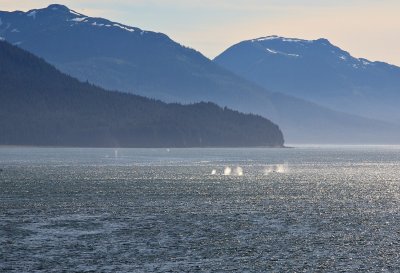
x,y
84,147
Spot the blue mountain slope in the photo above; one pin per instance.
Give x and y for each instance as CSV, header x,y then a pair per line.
x,y
124,58
320,72
41,106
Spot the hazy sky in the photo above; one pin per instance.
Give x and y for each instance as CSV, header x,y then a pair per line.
x,y
366,28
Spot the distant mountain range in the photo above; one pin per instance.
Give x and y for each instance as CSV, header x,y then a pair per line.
x,y
41,106
318,71
119,57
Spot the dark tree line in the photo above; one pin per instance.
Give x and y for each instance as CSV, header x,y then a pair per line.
x,y
41,106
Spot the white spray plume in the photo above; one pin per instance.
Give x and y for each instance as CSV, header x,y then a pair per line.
x,y
239,171
227,171
268,170
278,168
213,172
281,168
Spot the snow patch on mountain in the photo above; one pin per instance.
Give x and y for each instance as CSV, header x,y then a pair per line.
x,y
294,40
282,53
104,24
96,24
275,37
75,13
355,63
79,19
32,14
124,27
365,62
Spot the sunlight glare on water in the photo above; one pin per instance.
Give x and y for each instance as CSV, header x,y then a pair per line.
x,y
211,210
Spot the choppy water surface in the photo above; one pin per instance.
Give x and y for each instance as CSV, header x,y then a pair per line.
x,y
157,210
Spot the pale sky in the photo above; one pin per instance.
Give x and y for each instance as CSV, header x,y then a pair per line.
x,y
365,28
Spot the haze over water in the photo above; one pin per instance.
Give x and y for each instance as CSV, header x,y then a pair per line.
x,y
329,208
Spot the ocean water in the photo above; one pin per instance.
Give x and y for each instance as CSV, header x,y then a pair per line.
x,y
307,209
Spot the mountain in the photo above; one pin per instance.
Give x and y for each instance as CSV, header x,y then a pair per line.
x,y
41,106
119,57
318,71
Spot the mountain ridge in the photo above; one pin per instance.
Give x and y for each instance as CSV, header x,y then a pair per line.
x,y
318,71
152,65
41,106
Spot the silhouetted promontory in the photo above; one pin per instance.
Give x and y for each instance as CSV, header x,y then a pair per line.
x,y
41,106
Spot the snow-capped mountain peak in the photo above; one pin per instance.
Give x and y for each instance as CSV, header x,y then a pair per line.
x,y
279,38
57,15
58,7
278,46
62,9
54,8
322,73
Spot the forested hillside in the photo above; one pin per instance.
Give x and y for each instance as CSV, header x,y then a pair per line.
x,y
41,106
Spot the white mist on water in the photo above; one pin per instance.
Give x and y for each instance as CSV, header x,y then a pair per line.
x,y
268,170
227,171
278,168
213,172
239,171
115,153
